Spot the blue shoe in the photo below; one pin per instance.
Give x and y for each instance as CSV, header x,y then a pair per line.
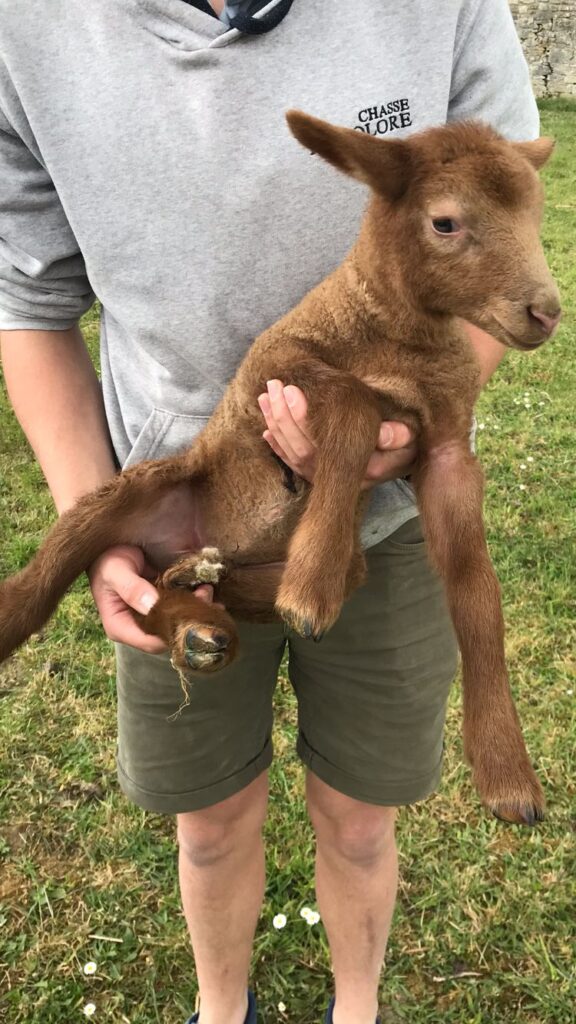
x,y
250,1017
330,1010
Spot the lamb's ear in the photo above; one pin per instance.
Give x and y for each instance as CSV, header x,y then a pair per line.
x,y
537,152
382,164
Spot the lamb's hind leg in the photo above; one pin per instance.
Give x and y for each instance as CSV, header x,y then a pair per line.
x,y
116,513
449,487
202,636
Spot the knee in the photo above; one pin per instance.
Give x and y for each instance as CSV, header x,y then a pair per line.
x,y
358,833
360,839
228,829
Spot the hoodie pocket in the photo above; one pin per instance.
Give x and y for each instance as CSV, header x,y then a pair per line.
x,y
164,434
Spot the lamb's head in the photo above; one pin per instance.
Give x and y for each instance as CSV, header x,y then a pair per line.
x,y
456,218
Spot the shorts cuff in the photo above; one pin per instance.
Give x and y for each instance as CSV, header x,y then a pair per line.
x,y
384,794
195,799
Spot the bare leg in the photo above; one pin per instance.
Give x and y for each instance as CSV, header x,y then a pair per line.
x,y
356,884
221,866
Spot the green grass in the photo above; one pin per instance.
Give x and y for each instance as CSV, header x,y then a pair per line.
x,y
476,896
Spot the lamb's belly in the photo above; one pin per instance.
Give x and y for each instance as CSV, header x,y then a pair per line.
x,y
248,515
257,529
171,528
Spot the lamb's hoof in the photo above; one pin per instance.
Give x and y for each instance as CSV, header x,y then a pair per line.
x,y
303,627
520,815
505,778
308,610
519,804
206,649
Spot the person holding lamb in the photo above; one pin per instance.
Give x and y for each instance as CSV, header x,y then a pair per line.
x,y
145,162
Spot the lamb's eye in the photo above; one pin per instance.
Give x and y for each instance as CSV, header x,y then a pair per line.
x,y
445,226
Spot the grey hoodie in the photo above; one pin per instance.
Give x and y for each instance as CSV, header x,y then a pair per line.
x,y
145,160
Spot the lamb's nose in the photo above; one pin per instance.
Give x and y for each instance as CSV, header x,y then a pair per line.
x,y
547,322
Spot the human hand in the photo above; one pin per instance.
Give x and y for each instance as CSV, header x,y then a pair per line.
x,y
284,410
120,580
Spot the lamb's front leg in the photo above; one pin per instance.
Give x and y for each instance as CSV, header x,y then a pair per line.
x,y
449,486
324,562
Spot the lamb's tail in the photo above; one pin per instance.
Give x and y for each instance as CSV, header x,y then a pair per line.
x,y
98,521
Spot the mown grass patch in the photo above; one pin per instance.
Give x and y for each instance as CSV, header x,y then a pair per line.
x,y
484,930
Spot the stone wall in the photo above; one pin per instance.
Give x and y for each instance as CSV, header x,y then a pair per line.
x,y
547,30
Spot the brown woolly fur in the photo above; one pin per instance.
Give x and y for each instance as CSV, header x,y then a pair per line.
x,y
451,232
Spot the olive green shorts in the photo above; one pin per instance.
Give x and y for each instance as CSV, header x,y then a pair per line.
x,y
371,699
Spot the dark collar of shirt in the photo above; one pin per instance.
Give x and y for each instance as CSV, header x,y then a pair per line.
x,y
245,22
202,5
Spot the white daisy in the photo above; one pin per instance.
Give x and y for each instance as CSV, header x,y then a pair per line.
x,y
282,1007
280,921
313,917
305,913
89,1010
522,487
89,968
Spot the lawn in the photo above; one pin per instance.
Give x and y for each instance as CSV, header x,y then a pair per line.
x,y
485,930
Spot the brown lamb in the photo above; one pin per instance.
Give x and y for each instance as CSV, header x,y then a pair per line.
x,y
452,231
